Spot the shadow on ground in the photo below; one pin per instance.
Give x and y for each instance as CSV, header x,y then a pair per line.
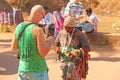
x,y
104,51
8,63
5,43
5,40
113,59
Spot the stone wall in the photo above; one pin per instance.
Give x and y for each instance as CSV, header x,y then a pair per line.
x,y
104,39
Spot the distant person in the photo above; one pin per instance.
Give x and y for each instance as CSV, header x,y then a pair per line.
x,y
92,18
33,47
46,22
5,12
58,21
17,14
68,40
1,17
75,8
65,2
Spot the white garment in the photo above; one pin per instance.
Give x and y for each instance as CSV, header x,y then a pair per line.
x,y
93,19
75,9
62,11
47,19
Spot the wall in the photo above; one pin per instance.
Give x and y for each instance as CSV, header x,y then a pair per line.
x,y
104,39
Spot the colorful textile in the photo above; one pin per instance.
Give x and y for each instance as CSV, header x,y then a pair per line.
x,y
10,18
76,53
78,40
17,16
59,20
5,17
1,17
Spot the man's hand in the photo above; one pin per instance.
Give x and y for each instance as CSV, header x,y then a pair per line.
x,y
50,39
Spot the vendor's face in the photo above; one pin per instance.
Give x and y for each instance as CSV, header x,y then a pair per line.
x,y
69,29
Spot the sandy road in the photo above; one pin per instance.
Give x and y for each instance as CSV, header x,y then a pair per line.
x,y
104,63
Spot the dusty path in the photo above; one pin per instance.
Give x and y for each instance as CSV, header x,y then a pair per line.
x,y
104,63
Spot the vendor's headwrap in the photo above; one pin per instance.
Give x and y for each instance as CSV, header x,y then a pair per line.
x,y
69,21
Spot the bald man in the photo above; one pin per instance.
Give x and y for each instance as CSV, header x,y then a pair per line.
x,y
33,47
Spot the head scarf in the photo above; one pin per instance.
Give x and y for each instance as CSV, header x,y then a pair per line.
x,y
69,21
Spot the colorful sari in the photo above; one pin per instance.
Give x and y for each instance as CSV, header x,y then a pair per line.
x,y
59,20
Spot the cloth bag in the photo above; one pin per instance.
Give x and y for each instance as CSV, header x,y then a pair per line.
x,y
87,27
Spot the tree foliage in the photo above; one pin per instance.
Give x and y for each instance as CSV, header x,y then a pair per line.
x,y
27,4
52,4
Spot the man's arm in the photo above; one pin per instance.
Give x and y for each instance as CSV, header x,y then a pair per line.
x,y
42,45
14,44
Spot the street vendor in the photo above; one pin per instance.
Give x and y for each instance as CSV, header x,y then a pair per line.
x,y
71,39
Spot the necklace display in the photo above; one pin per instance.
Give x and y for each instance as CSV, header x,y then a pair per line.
x,y
69,37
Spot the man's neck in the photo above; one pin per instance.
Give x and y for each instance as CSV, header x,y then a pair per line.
x,y
31,20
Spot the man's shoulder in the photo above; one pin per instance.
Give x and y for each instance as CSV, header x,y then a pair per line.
x,y
36,28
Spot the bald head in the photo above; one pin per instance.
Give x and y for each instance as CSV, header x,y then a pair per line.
x,y
37,12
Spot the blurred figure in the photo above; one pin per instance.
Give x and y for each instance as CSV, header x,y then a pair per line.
x,y
46,22
17,14
75,8
92,18
65,2
58,21
68,40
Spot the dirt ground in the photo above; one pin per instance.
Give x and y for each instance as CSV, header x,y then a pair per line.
x,y
103,65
